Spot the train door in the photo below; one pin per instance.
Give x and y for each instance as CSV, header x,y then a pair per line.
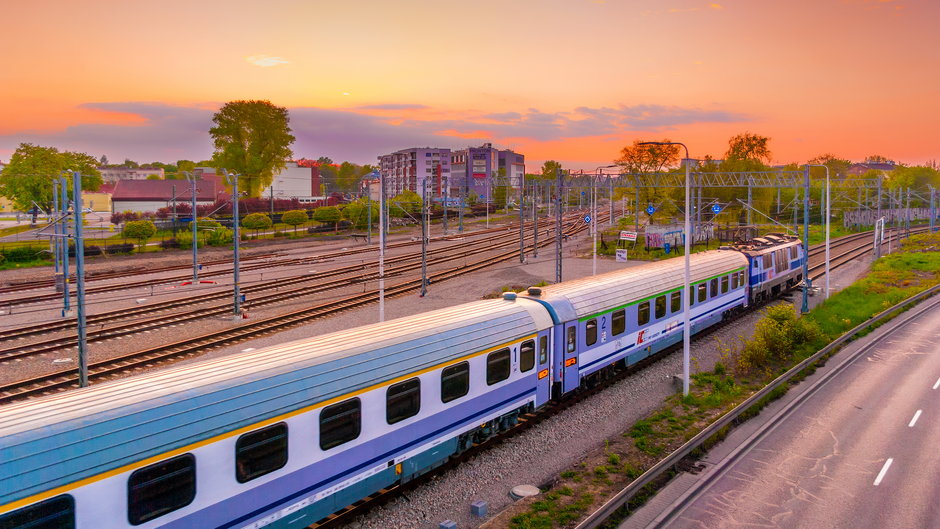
x,y
543,387
570,378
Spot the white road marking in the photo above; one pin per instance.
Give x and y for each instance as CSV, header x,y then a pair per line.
x,y
914,420
936,384
884,470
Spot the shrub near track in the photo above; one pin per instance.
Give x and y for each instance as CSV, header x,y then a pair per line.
x,y
780,341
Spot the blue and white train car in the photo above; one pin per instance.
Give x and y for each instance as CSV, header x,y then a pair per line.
x,y
776,262
279,437
621,317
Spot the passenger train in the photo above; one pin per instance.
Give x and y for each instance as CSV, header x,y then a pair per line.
x,y
284,436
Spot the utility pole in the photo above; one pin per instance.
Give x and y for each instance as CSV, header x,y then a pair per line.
x,y
173,202
192,180
806,283
535,220
80,279
522,221
55,231
64,203
272,199
233,180
463,203
381,247
559,188
933,214
907,216
369,216
424,237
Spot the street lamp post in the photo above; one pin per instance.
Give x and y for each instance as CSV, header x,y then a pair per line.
x,y
686,324
828,215
236,306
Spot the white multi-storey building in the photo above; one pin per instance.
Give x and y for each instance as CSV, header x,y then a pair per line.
x,y
410,168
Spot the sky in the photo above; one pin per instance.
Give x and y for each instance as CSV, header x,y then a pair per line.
x,y
569,80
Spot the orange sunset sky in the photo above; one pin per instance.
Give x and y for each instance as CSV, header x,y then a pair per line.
x,y
571,80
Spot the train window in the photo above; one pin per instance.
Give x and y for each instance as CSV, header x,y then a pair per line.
x,y
497,366
526,355
402,400
260,452
340,423
161,488
455,381
590,332
702,292
543,349
734,280
54,513
572,340
643,313
691,294
743,279
724,284
660,307
794,253
618,322
768,261
675,302
714,287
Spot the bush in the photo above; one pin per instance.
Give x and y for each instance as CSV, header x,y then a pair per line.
x,y
119,248
328,214
166,244
294,217
777,336
185,240
219,237
204,223
257,221
140,230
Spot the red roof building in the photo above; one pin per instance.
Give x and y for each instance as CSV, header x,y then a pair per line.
x,y
150,195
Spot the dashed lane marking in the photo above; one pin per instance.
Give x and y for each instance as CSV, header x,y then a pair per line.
x,y
936,384
914,420
884,470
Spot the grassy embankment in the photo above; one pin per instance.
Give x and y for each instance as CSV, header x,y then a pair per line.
x,y
780,341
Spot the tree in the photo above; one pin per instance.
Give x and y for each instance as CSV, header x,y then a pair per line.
x,y
104,160
140,230
130,164
877,158
638,158
27,179
325,160
837,166
747,152
328,214
185,165
549,168
294,217
357,212
405,204
257,221
252,138
917,176
153,177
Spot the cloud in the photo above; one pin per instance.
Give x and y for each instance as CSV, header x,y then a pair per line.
x,y
716,6
266,61
392,106
169,132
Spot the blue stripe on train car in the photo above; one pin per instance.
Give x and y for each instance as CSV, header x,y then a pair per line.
x,y
324,472
613,357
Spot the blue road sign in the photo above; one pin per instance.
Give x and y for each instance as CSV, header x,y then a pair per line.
x,y
587,218
667,247
650,210
716,208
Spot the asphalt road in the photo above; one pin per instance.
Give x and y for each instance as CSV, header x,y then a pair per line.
x,y
862,452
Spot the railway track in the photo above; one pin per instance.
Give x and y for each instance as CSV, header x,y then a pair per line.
x,y
35,298
407,263
100,371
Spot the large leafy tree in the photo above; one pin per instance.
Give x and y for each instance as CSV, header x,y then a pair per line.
x,y
838,167
252,138
747,152
638,158
27,179
549,168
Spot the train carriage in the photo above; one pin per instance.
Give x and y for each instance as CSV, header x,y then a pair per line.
x,y
280,435
776,262
622,317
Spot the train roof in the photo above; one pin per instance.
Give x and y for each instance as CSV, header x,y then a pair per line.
x,y
110,425
590,295
766,244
